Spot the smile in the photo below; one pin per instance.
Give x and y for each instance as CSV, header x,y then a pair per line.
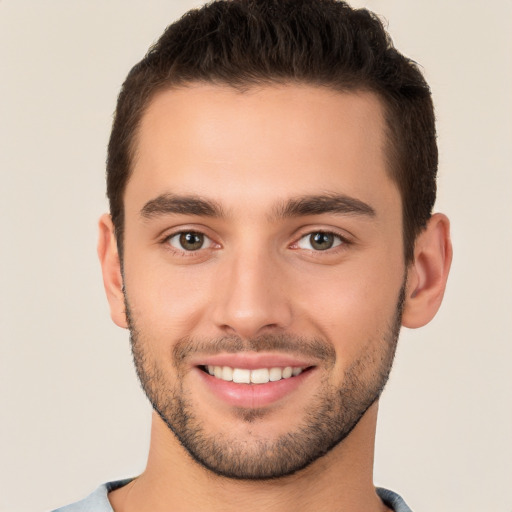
x,y
256,376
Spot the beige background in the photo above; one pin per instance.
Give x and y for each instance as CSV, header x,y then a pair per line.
x,y
72,414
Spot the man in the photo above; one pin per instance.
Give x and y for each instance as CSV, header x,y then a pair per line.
x,y
271,177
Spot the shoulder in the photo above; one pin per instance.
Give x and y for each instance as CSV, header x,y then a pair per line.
x,y
97,501
393,500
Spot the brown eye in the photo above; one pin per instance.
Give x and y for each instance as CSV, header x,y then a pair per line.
x,y
189,241
319,241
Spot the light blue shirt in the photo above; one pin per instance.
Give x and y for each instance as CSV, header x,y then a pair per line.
x,y
98,500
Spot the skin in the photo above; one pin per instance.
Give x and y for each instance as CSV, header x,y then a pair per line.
x,y
250,153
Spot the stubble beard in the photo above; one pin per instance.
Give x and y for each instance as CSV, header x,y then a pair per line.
x,y
330,416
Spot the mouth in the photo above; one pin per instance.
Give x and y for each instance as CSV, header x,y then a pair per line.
x,y
253,376
255,387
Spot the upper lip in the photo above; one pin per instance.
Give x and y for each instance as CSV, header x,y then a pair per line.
x,y
252,361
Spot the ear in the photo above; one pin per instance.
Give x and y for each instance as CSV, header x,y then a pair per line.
x,y
111,269
428,273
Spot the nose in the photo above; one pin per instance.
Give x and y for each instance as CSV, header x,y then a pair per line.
x,y
251,296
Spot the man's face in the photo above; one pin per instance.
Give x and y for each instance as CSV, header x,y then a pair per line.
x,y
263,242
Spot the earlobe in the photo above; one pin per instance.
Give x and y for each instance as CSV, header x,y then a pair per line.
x,y
428,272
111,270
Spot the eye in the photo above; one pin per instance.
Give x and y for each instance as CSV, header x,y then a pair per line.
x,y
189,241
320,241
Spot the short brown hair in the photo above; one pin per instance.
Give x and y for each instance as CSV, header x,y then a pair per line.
x,y
242,43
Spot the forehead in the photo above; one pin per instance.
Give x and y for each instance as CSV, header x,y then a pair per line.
x,y
264,142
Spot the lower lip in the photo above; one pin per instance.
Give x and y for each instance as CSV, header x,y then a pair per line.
x,y
252,396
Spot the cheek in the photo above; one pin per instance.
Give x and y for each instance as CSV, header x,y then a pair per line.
x,y
164,300
353,310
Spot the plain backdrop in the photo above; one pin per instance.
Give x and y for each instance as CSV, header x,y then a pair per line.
x,y
72,413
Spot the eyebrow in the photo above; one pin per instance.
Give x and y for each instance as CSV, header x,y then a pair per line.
x,y
325,203
166,204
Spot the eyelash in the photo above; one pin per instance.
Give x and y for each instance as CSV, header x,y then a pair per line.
x,y
342,244
341,240
183,252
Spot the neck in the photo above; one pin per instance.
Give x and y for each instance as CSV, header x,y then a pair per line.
x,y
339,481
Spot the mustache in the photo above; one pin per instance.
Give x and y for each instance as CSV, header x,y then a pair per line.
x,y
311,348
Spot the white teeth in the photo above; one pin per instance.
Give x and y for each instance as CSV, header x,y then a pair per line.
x,y
275,374
258,376
287,372
227,373
241,376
